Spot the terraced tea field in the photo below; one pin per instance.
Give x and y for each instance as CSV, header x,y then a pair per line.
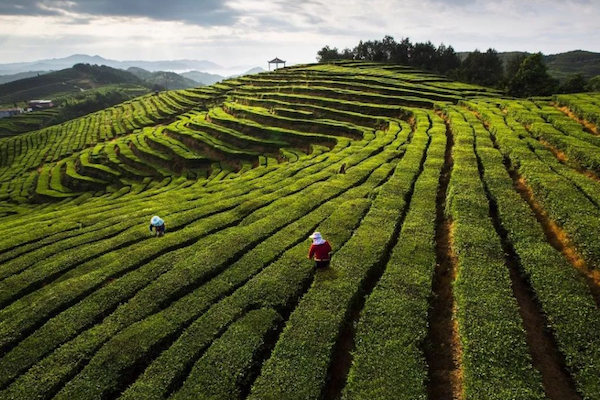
x,y
465,236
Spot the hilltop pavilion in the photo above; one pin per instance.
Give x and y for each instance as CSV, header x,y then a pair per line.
x,y
276,61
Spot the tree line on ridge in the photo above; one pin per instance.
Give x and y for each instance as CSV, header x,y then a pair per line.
x,y
522,76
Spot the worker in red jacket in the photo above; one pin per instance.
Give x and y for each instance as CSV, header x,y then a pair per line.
x,y
320,249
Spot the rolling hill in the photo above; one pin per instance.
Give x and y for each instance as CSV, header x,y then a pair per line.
x,y
210,79
79,78
22,75
464,232
163,79
68,62
153,66
574,62
203,77
69,106
562,65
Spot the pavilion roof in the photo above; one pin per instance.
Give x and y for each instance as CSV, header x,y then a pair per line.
x,y
276,60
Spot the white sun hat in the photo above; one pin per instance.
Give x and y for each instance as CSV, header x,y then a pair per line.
x,y
156,221
317,238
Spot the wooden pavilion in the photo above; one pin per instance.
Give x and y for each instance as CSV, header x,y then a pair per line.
x,y
276,61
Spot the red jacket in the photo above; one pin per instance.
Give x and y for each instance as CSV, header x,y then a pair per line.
x,y
320,251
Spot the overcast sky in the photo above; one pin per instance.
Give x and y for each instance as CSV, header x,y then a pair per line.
x,y
249,32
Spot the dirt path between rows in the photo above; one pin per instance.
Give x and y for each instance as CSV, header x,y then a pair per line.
x,y
443,349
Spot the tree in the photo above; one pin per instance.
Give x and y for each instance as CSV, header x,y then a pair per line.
x,y
513,65
447,59
484,69
388,48
378,51
593,84
362,51
157,88
402,52
575,84
424,56
347,54
532,79
327,54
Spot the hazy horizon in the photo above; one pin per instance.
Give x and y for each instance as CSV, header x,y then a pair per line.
x,y
250,32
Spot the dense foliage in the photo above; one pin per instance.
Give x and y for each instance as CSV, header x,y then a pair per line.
x,y
163,80
98,101
593,84
515,76
426,56
532,79
482,68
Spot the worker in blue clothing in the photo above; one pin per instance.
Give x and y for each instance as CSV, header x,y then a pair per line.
x,y
158,225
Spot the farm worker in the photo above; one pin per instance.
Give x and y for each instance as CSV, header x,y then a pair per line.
x,y
320,249
343,168
158,224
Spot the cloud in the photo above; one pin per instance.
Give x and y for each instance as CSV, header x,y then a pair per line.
x,y
240,31
203,12
262,14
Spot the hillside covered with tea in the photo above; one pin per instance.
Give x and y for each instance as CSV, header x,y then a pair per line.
x,y
464,231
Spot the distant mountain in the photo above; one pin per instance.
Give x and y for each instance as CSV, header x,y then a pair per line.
x,y
140,72
256,70
574,62
562,65
68,62
71,80
22,75
163,79
210,79
168,80
203,77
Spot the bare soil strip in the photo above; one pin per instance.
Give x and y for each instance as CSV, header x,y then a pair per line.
x,y
564,159
560,156
587,125
555,235
341,359
443,350
558,384
342,353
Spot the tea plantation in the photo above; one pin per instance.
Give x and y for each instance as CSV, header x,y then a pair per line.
x,y
465,243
